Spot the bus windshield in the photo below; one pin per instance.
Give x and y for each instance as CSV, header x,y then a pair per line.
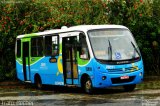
x,y
113,44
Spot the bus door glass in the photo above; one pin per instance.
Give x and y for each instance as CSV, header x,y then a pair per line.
x,y
70,60
26,62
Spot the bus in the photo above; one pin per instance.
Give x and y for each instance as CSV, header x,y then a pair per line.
x,y
87,56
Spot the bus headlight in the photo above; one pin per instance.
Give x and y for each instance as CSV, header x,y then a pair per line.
x,y
104,77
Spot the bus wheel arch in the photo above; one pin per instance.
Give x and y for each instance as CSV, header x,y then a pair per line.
x,y
86,84
38,81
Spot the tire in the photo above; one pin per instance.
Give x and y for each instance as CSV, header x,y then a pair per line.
x,y
129,88
88,88
38,83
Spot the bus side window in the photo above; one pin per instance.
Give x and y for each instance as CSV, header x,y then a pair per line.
x,y
18,51
83,48
37,47
48,45
55,48
51,45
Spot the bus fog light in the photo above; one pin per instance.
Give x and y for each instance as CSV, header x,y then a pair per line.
x,y
104,77
140,74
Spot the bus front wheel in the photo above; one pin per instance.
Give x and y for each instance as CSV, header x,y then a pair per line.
x,y
88,86
129,88
38,82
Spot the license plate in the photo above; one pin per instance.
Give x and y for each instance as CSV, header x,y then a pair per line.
x,y
125,77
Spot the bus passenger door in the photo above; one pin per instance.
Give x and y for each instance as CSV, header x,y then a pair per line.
x,y
26,62
69,54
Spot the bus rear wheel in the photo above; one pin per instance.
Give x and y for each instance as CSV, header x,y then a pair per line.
x,y
88,88
129,88
38,82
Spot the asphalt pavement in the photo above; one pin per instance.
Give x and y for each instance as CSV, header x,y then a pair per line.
x,y
68,96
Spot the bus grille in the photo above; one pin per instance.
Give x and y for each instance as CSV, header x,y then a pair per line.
x,y
123,70
118,80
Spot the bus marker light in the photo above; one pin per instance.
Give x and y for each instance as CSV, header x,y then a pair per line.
x,y
140,74
53,60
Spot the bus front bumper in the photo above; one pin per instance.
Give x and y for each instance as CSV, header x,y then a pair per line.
x,y
104,80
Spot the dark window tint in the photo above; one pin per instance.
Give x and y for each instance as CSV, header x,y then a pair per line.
x,y
51,45
18,48
37,47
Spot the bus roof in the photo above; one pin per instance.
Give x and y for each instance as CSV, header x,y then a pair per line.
x,y
83,28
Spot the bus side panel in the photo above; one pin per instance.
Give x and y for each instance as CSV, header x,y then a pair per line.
x,y
48,71
19,69
87,69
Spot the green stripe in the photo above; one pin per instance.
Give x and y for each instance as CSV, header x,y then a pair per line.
x,y
81,61
30,35
33,60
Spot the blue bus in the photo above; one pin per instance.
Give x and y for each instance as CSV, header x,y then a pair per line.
x,y
87,56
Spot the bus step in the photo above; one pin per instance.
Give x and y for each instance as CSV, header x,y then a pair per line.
x,y
27,81
70,85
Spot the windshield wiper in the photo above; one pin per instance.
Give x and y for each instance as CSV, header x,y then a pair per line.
x,y
110,50
135,49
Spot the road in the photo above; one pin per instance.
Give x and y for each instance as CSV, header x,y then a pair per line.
x,y
66,96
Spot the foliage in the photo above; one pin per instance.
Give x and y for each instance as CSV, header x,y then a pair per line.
x,y
142,18
28,16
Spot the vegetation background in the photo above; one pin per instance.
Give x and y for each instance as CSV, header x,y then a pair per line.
x,y
28,16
